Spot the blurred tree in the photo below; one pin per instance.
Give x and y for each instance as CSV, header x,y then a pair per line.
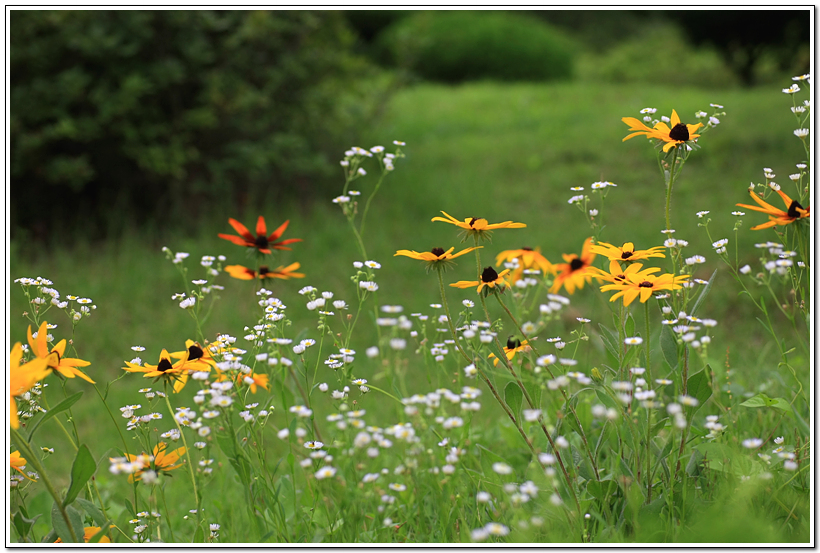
x,y
152,116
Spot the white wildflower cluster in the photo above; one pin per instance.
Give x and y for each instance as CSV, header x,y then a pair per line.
x,y
554,304
42,296
122,465
489,529
715,428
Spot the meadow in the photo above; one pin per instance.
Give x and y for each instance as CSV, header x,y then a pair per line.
x,y
561,443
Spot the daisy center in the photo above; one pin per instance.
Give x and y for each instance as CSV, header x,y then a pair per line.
x,y
261,242
164,365
576,264
793,213
194,352
679,132
489,275
438,252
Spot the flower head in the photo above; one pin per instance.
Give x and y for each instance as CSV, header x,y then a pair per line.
x,y
88,533
435,258
529,258
626,253
163,461
617,275
643,285
512,347
794,211
66,366
284,273
477,226
261,241
489,278
572,274
22,378
178,372
674,134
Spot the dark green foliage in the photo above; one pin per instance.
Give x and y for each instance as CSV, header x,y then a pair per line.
x,y
467,45
123,116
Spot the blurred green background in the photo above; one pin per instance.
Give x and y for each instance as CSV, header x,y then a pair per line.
x,y
133,130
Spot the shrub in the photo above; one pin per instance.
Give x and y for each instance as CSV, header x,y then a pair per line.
x,y
122,116
461,46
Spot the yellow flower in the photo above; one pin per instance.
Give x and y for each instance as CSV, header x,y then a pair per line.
x,y
528,258
626,253
477,226
643,285
794,211
19,463
284,273
22,378
488,278
573,274
616,274
88,533
435,258
679,133
199,359
258,380
177,372
513,347
163,461
66,366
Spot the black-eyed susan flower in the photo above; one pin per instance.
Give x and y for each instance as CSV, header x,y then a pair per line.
x,y
166,368
794,211
22,378
253,380
88,533
477,226
262,242
19,463
199,358
163,461
573,274
437,258
528,259
66,366
617,274
513,347
284,273
643,286
674,134
626,253
489,278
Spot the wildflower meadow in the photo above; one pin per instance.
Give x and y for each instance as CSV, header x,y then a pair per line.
x,y
514,395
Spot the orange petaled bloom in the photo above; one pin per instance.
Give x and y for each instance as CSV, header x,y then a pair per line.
x,y
529,258
679,133
285,273
488,278
199,359
513,347
162,462
643,286
794,211
435,258
253,380
627,252
261,241
477,226
178,372
616,274
22,378
66,366
88,533
573,273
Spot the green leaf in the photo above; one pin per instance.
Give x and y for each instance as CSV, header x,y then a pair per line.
x,y
603,489
699,385
57,409
704,291
131,510
629,327
513,397
61,527
610,340
23,525
101,534
199,535
83,468
669,346
92,511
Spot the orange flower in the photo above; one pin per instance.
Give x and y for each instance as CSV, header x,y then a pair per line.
x,y
285,273
22,378
162,462
573,273
794,211
477,226
19,463
488,278
528,258
66,366
261,242
88,533
177,372
257,380
435,258
674,136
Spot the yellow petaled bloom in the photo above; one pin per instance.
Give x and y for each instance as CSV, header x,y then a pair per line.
x,y
66,366
488,278
177,372
19,463
477,226
528,258
199,359
22,378
573,273
258,380
675,135
163,460
436,258
626,253
88,533
284,273
616,274
643,286
513,347
794,211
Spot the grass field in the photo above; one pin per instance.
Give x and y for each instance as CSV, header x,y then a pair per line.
x,y
504,152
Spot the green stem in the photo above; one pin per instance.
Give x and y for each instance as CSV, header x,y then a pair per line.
x,y
187,450
669,184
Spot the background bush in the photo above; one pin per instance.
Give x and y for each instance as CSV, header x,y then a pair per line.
x,y
150,116
464,45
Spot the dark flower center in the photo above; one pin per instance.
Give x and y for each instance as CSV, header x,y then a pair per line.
x,y
626,255
489,275
576,264
164,365
793,213
473,220
195,352
438,252
679,132
620,277
261,242
645,284
512,344
263,270
526,249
